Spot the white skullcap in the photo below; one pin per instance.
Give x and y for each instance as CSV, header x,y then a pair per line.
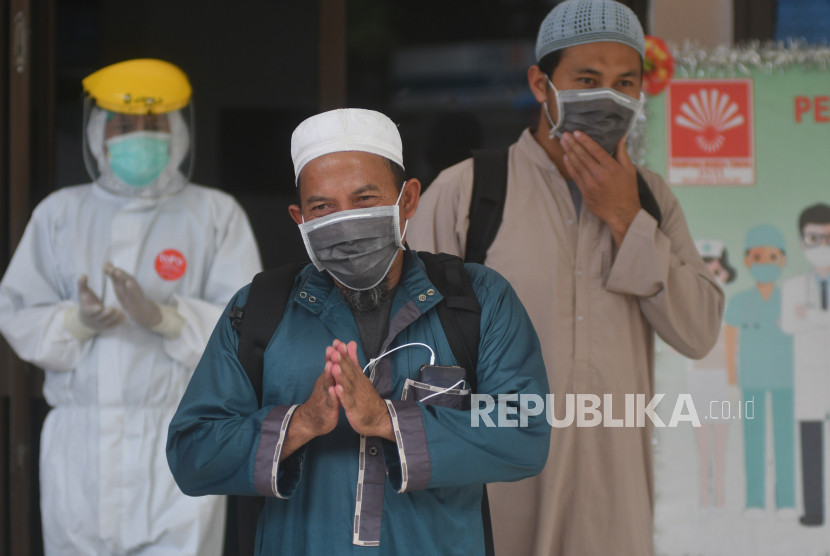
x,y
576,22
710,248
346,129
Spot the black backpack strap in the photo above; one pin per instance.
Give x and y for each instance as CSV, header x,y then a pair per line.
x,y
460,316
459,311
647,200
259,318
248,510
257,321
487,202
487,523
490,193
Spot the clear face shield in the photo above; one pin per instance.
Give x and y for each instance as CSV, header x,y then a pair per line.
x,y
139,155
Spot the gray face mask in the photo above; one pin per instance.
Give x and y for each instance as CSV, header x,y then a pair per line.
x,y
605,115
357,247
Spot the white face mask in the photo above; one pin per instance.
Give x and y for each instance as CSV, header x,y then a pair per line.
x,y
819,256
605,115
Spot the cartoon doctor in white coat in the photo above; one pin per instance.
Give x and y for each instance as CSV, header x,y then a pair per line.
x,y
805,313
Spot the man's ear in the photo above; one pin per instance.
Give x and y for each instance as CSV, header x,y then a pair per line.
x,y
409,199
538,82
782,261
296,213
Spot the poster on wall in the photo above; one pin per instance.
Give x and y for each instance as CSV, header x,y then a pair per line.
x,y
710,132
743,137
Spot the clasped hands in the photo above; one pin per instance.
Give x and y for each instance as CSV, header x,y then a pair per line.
x,y
94,315
341,384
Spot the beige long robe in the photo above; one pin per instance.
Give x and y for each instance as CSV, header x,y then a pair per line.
x,y
596,309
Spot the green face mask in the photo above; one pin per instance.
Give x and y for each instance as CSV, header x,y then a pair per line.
x,y
765,273
138,158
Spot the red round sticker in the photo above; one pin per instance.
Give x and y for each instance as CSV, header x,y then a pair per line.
x,y
171,264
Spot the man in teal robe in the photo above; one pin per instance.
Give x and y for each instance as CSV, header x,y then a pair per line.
x,y
347,462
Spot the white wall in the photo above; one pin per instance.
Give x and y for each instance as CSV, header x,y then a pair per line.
x,y
708,23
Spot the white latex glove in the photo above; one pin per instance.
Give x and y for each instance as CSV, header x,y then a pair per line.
x,y
161,319
132,298
90,316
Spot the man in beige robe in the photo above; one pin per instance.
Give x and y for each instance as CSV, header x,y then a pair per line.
x,y
597,281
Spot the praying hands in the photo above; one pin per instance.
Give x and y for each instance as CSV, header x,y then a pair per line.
x,y
365,409
342,383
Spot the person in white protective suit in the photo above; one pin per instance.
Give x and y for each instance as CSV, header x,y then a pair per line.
x,y
114,290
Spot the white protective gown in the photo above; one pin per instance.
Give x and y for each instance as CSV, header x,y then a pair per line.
x,y
106,487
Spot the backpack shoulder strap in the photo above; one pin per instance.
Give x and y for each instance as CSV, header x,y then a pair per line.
x,y
490,193
460,316
459,311
259,318
487,202
647,200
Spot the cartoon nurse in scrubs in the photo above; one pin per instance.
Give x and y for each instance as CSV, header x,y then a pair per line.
x,y
760,358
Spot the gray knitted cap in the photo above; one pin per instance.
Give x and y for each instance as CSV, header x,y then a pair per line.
x,y
576,22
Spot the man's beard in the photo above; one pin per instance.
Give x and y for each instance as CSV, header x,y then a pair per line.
x,y
367,300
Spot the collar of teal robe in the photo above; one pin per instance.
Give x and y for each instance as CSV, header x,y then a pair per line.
x,y
320,293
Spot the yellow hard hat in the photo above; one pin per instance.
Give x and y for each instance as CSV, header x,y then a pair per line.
x,y
139,87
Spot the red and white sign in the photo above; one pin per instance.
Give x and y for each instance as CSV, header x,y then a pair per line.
x,y
711,132
171,264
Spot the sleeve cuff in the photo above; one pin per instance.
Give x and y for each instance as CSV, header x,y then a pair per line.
x,y
171,322
641,267
407,461
72,322
273,478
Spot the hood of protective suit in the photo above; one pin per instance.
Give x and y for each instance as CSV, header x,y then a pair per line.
x,y
171,180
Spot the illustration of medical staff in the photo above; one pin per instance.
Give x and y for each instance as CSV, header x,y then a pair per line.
x,y
759,357
706,381
805,313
